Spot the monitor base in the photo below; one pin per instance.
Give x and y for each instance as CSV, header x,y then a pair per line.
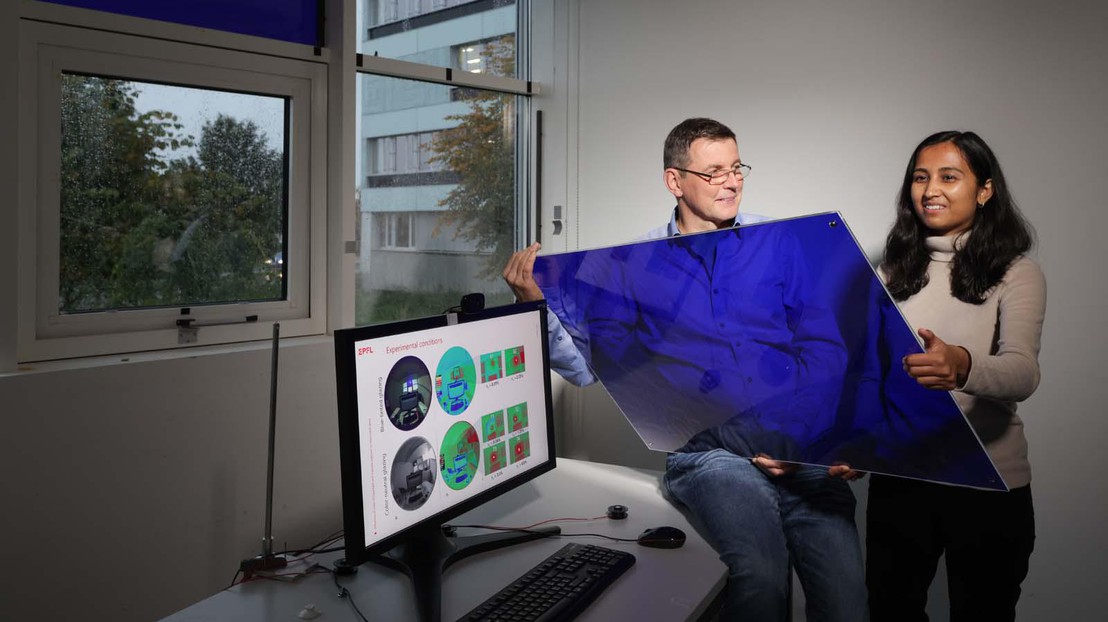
x,y
426,554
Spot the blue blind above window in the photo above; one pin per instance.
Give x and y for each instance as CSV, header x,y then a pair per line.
x,y
297,21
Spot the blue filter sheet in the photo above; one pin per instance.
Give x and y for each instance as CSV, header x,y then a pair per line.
x,y
774,338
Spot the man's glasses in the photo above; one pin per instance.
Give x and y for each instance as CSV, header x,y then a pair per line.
x,y
740,171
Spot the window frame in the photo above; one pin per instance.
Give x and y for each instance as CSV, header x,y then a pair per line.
x,y
48,49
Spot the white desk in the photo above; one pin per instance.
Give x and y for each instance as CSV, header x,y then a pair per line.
x,y
664,584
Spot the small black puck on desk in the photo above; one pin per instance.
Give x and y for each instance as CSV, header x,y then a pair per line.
x,y
342,567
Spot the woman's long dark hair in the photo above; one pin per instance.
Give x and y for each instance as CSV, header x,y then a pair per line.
x,y
999,234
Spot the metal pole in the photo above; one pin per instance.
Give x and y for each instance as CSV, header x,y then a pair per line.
x,y
267,543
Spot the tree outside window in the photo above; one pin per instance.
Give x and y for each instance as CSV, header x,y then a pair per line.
x,y
481,148
142,229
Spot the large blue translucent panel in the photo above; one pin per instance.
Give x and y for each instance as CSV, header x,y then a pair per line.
x,y
287,20
775,338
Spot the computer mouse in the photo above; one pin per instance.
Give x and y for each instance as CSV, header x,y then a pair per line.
x,y
662,538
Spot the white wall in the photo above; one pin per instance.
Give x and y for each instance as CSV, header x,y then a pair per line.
x,y
828,100
133,490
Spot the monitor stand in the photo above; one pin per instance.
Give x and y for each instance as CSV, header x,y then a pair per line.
x,y
427,552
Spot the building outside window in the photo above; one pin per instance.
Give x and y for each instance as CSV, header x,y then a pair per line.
x,y
442,187
385,11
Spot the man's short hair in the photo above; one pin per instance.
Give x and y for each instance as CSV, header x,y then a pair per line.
x,y
680,138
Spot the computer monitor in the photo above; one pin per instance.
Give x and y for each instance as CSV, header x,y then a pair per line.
x,y
403,477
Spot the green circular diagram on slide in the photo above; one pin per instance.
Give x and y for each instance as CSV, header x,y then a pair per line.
x,y
460,453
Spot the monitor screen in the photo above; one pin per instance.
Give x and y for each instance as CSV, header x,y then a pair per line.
x,y
424,434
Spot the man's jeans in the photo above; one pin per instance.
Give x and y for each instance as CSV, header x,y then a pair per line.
x,y
757,522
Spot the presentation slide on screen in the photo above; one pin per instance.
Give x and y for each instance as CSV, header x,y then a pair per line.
x,y
447,413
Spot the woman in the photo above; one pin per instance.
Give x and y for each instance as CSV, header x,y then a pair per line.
x,y
955,260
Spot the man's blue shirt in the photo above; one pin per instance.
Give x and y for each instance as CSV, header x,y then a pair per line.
x,y
565,357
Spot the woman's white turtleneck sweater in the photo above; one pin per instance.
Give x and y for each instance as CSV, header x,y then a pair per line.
x,y
1002,336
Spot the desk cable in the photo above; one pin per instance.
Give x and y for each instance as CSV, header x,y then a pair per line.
x,y
345,594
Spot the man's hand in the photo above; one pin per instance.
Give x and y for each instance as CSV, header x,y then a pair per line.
x,y
843,471
774,468
942,366
517,274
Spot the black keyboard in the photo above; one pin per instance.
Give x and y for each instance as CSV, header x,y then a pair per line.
x,y
559,588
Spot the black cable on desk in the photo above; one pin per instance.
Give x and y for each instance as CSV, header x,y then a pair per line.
x,y
345,593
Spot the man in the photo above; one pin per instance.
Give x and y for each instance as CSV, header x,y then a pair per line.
x,y
758,514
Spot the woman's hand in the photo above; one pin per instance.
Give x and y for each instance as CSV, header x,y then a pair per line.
x,y
942,366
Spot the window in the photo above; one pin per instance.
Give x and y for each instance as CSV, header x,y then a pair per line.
x,y
426,160
395,230
471,58
461,182
185,212
406,153
444,157
170,196
412,151
386,149
492,56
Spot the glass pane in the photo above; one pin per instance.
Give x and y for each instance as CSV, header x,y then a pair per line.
x,y
466,35
773,338
170,196
286,20
437,201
